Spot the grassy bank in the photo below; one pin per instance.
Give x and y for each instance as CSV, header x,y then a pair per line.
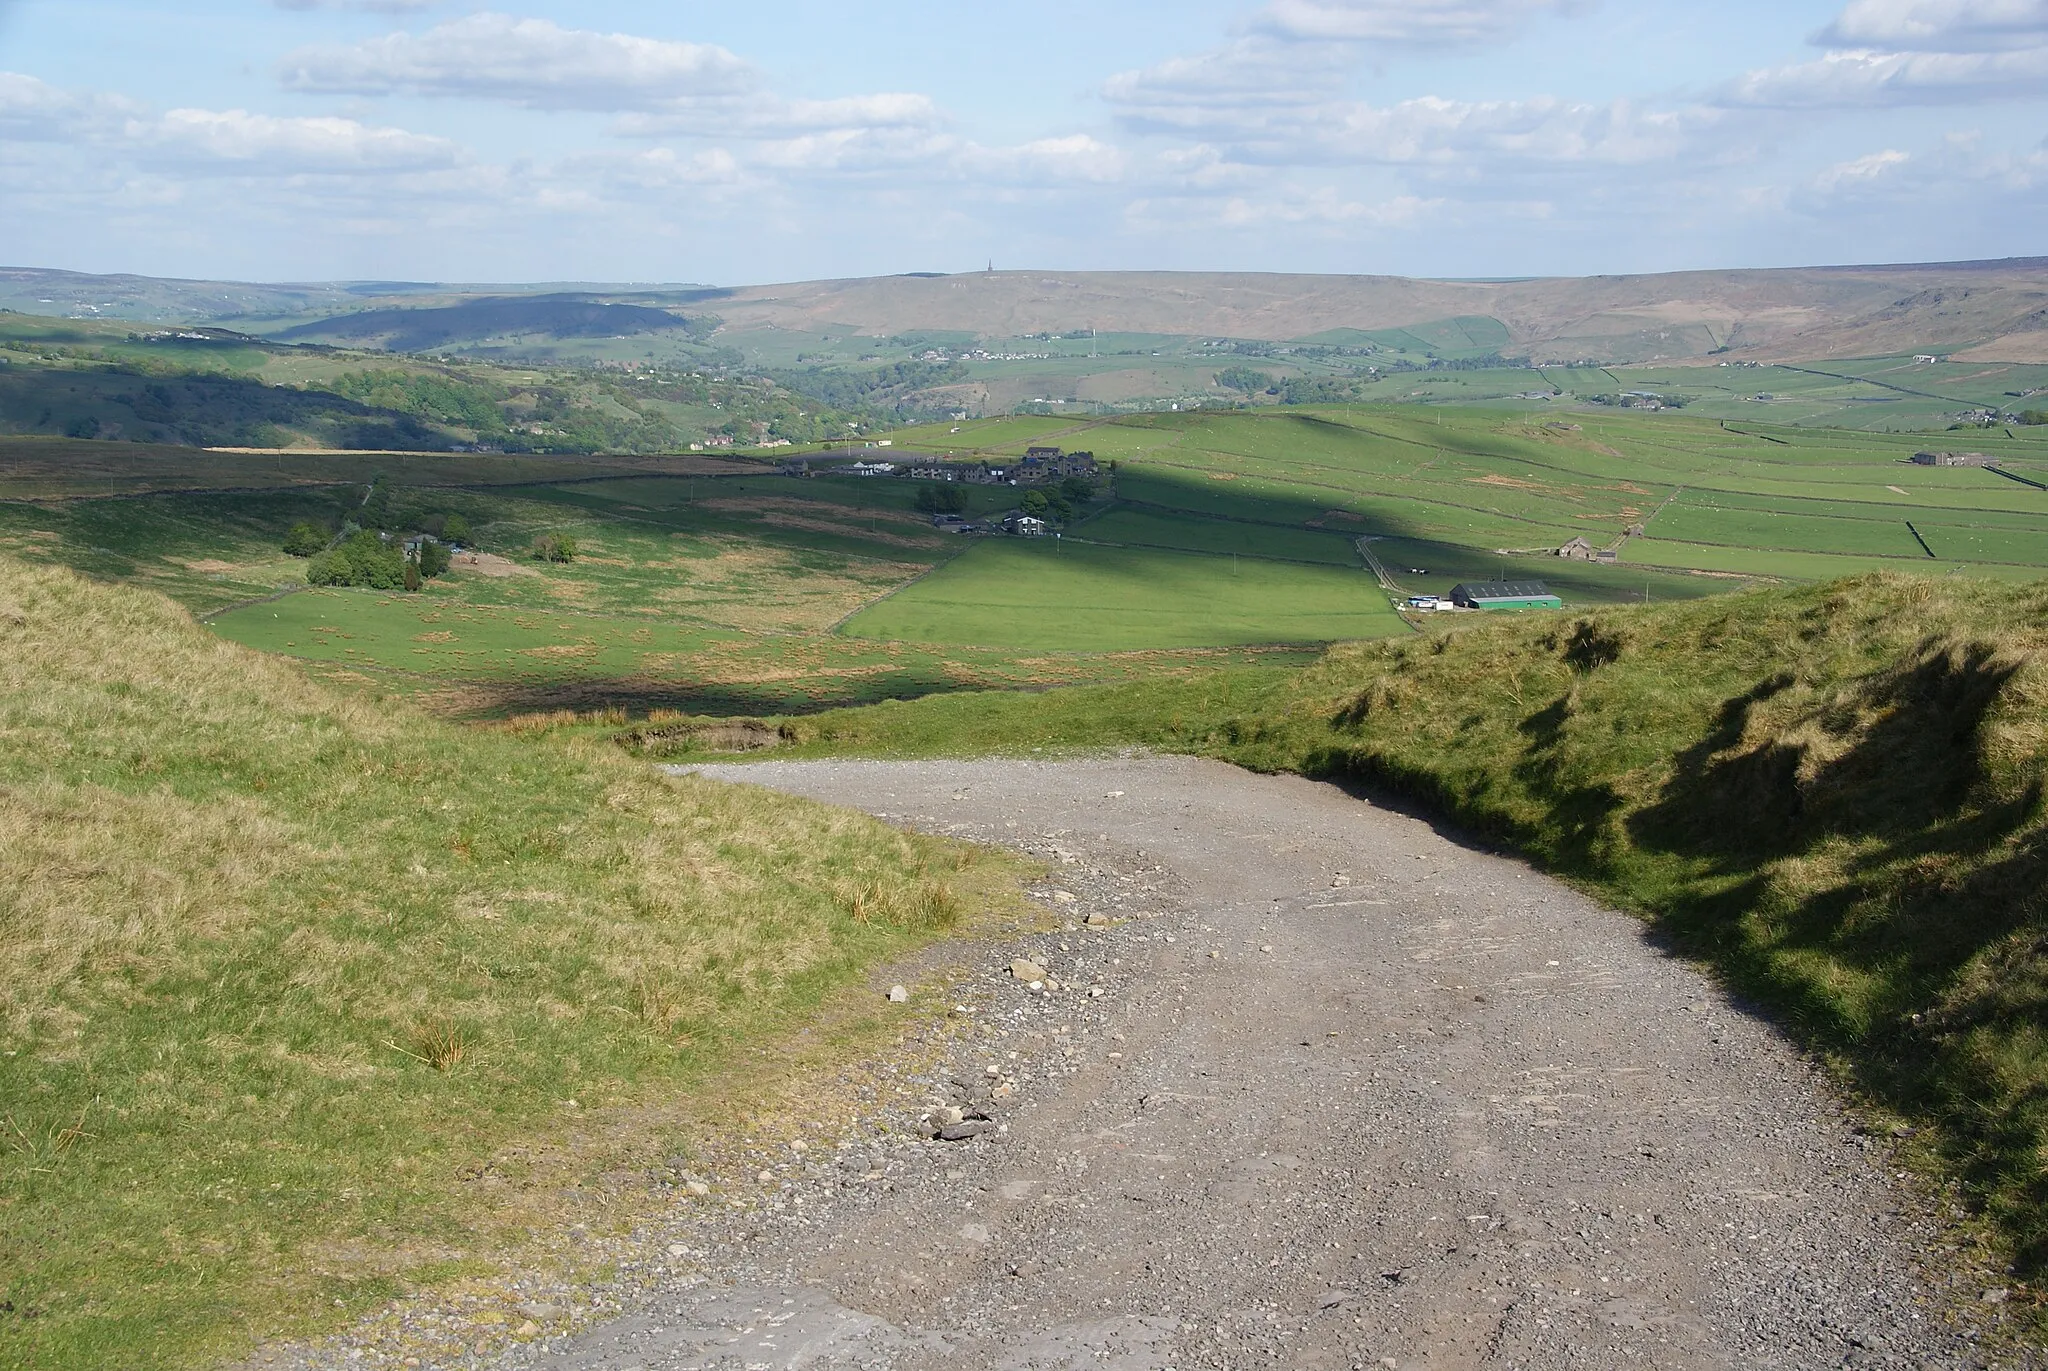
x,y
292,973
1835,795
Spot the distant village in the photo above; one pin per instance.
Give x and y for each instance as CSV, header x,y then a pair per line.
x,y
1039,467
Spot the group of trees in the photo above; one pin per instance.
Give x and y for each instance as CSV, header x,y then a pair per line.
x,y
443,399
1057,502
1246,380
374,560
553,547
364,553
1061,501
379,560
935,498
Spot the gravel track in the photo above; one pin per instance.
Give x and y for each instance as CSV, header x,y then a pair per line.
x,y
1381,1099
1330,1090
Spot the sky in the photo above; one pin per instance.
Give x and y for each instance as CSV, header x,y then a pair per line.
x,y
446,140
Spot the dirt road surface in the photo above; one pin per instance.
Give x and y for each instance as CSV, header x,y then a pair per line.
x,y
1333,1091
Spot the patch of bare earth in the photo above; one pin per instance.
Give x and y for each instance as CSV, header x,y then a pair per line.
x,y
491,564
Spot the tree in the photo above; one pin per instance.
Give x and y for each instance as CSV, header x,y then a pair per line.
x,y
433,558
306,540
941,499
361,559
1034,503
1062,509
455,529
2034,416
1078,489
554,547
1244,379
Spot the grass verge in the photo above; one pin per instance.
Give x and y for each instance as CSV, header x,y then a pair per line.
x,y
1833,795
287,966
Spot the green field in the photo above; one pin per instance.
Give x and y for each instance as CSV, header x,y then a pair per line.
x,y
1468,493
713,593
711,586
1042,595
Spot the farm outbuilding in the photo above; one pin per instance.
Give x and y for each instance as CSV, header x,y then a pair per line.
x,y
1954,459
1504,595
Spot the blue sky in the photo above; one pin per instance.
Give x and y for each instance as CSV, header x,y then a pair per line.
x,y
449,140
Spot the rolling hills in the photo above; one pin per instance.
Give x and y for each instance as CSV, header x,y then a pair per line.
x,y
1988,311
1996,310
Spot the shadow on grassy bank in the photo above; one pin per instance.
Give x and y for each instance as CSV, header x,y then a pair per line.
x,y
1833,795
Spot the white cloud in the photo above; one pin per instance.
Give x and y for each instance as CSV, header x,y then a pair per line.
x,y
1420,23
1078,157
241,142
1251,73
763,115
34,109
1957,171
1428,129
1912,52
531,62
1322,205
1938,25
1543,130
99,131
1842,80
1270,98
859,151
1860,172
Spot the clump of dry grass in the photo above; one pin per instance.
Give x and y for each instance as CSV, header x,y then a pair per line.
x,y
438,1043
251,922
534,723
921,905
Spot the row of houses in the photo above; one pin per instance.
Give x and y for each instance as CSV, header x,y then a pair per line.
x,y
1038,466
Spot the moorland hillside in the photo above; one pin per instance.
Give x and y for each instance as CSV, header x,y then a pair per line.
x,y
1997,310
287,965
1984,311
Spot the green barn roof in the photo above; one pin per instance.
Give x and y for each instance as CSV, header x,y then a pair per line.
x,y
1505,594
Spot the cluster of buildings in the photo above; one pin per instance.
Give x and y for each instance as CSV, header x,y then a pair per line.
x,y
1016,523
1038,466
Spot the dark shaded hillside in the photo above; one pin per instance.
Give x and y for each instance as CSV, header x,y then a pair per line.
x,y
473,321
199,410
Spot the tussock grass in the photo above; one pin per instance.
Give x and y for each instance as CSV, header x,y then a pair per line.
x,y
1838,796
283,964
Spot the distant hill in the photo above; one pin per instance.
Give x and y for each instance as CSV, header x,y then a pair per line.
x,y
1981,310
492,318
1974,311
153,299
